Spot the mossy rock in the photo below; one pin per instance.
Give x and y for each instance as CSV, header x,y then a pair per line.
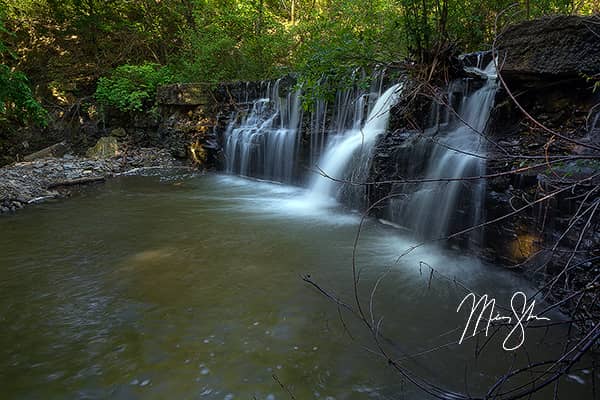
x,y
106,147
184,94
118,132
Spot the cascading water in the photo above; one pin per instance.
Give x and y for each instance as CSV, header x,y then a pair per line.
x,y
264,143
347,156
453,148
347,112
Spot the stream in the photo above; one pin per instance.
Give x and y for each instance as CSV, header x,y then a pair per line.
x,y
190,287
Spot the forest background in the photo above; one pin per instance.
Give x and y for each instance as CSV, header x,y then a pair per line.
x,y
115,53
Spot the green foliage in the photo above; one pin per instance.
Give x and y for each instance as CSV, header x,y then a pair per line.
x,y
224,40
340,36
233,40
143,30
345,36
17,102
3,48
132,87
594,80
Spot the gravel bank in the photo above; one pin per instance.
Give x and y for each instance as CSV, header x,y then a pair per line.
x,y
31,182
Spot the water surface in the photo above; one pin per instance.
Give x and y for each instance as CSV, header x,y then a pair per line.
x,y
189,287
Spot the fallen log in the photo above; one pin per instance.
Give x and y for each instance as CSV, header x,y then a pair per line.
x,y
56,150
76,181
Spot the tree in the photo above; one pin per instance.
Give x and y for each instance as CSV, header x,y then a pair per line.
x,y
17,102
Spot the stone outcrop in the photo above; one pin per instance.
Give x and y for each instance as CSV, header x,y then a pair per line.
x,y
563,107
189,116
545,66
186,94
546,78
559,46
182,127
545,71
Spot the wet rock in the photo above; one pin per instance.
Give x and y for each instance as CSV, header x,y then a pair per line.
x,y
243,92
478,59
118,133
545,60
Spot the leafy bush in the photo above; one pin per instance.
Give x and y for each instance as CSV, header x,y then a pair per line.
x,y
132,87
17,102
16,99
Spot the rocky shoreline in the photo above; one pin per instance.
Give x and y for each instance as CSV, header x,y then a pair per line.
x,y
30,182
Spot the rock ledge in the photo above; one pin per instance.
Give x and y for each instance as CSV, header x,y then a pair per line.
x,y
38,180
560,46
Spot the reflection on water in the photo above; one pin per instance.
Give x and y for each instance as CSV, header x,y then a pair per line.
x,y
190,287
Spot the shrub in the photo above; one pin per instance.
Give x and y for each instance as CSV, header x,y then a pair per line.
x,y
132,87
17,102
16,99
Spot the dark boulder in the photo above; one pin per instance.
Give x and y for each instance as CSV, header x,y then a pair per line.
x,y
560,46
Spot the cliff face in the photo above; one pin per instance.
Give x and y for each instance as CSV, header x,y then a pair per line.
x,y
541,198
561,106
545,70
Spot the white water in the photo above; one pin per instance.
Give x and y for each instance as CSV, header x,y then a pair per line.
x,y
355,143
345,113
264,143
454,149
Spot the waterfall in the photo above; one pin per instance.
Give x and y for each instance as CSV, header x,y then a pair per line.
x,y
452,148
346,112
264,143
265,140
347,156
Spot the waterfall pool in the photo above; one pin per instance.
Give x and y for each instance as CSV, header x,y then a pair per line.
x,y
189,287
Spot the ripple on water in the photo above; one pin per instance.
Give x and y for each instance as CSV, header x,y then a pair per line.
x,y
216,260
